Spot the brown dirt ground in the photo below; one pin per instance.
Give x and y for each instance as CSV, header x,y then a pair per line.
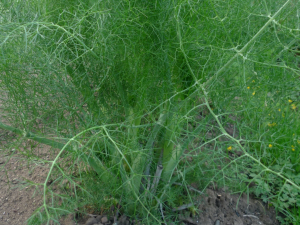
x,y
17,202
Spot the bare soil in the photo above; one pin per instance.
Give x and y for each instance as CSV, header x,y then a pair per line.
x,y
17,200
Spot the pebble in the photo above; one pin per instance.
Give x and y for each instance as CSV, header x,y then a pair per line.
x,y
104,219
217,222
123,220
99,218
91,221
14,181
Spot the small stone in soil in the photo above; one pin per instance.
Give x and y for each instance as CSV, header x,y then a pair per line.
x,y
91,221
217,222
104,219
98,218
122,219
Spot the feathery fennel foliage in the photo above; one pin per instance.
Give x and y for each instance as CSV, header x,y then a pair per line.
x,y
138,95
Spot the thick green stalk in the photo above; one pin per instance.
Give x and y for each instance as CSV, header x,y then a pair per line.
x,y
176,154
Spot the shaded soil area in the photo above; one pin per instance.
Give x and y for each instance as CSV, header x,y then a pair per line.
x,y
223,208
217,207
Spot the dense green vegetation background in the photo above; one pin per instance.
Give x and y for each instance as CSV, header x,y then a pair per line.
x,y
138,95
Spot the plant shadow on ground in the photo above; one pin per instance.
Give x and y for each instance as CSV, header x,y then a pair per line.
x,y
215,207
